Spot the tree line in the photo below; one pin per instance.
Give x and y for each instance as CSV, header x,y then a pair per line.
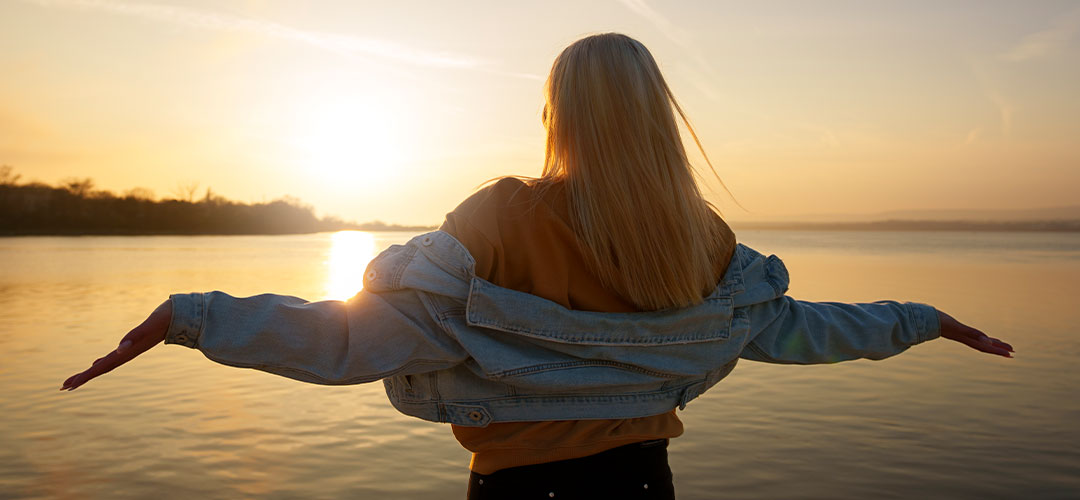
x,y
74,207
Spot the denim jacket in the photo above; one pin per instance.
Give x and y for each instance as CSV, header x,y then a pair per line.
x,y
452,347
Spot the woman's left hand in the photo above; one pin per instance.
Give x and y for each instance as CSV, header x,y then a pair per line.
x,y
149,333
955,330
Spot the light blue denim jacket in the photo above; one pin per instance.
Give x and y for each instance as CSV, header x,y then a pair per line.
x,y
452,347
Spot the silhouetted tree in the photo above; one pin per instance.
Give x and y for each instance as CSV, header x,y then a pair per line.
x,y
186,192
8,177
139,193
74,207
78,187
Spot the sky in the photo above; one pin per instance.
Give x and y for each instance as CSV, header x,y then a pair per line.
x,y
397,111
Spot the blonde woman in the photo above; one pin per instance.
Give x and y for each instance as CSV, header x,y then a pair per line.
x,y
558,322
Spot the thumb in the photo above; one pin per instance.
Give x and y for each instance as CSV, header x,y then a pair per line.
x,y
158,320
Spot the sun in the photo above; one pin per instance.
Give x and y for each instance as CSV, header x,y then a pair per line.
x,y
348,140
350,253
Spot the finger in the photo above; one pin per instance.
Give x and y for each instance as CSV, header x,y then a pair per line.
x,y
110,361
986,346
100,367
1003,344
133,337
997,344
154,323
68,382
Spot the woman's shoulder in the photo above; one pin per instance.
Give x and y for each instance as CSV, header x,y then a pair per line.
x,y
502,198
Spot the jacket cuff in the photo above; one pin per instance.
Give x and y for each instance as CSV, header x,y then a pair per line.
x,y
927,326
189,312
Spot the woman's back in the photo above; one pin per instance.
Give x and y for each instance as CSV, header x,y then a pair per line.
x,y
521,239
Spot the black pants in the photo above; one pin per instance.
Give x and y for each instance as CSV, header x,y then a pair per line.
x,y
638,470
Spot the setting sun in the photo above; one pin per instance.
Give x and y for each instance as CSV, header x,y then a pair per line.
x,y
349,256
347,139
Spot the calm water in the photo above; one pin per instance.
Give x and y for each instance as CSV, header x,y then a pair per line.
x,y
938,421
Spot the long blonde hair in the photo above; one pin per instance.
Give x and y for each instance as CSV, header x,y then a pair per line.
x,y
612,139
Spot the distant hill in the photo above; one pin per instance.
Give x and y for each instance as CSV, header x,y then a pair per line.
x,y
920,225
1034,214
1065,213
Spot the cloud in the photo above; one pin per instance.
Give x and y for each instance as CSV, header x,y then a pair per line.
x,y
1042,43
1005,111
333,42
700,73
669,29
972,136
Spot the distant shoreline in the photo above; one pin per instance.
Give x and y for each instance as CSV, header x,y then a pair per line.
x,y
1045,226
1055,226
376,229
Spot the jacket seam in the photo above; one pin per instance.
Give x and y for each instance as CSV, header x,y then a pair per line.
x,y
752,345
579,364
325,381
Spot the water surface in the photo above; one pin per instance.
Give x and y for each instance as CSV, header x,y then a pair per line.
x,y
938,421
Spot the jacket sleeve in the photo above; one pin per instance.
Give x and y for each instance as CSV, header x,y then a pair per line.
x,y
369,337
785,330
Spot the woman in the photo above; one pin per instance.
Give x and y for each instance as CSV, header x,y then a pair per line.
x,y
558,322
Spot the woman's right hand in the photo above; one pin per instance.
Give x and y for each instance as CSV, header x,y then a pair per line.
x,y
955,330
149,333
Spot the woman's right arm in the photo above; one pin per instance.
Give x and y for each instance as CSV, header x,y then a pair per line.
x,y
785,330
369,337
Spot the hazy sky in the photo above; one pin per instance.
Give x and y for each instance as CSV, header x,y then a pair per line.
x,y
398,110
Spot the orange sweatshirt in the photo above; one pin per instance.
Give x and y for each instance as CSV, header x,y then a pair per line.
x,y
526,244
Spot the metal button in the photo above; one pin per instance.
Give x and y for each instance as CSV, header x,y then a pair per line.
x,y
551,494
371,275
481,481
646,485
426,241
475,415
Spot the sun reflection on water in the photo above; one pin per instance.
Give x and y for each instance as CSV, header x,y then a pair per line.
x,y
350,253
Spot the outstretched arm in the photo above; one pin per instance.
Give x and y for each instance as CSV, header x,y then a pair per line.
x,y
785,330
368,337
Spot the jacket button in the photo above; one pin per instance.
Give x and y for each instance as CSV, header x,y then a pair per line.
x,y
475,416
426,241
371,275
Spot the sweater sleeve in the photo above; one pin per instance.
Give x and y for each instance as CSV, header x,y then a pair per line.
x,y
475,224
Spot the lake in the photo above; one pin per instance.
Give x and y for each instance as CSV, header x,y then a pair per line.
x,y
939,421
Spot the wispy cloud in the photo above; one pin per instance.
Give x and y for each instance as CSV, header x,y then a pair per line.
x,y
669,29
1005,111
334,42
972,136
700,73
1045,42
984,74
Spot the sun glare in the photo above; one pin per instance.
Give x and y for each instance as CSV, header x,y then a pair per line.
x,y
350,252
348,140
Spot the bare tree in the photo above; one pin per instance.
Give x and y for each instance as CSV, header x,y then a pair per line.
x,y
8,177
139,193
78,187
186,192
